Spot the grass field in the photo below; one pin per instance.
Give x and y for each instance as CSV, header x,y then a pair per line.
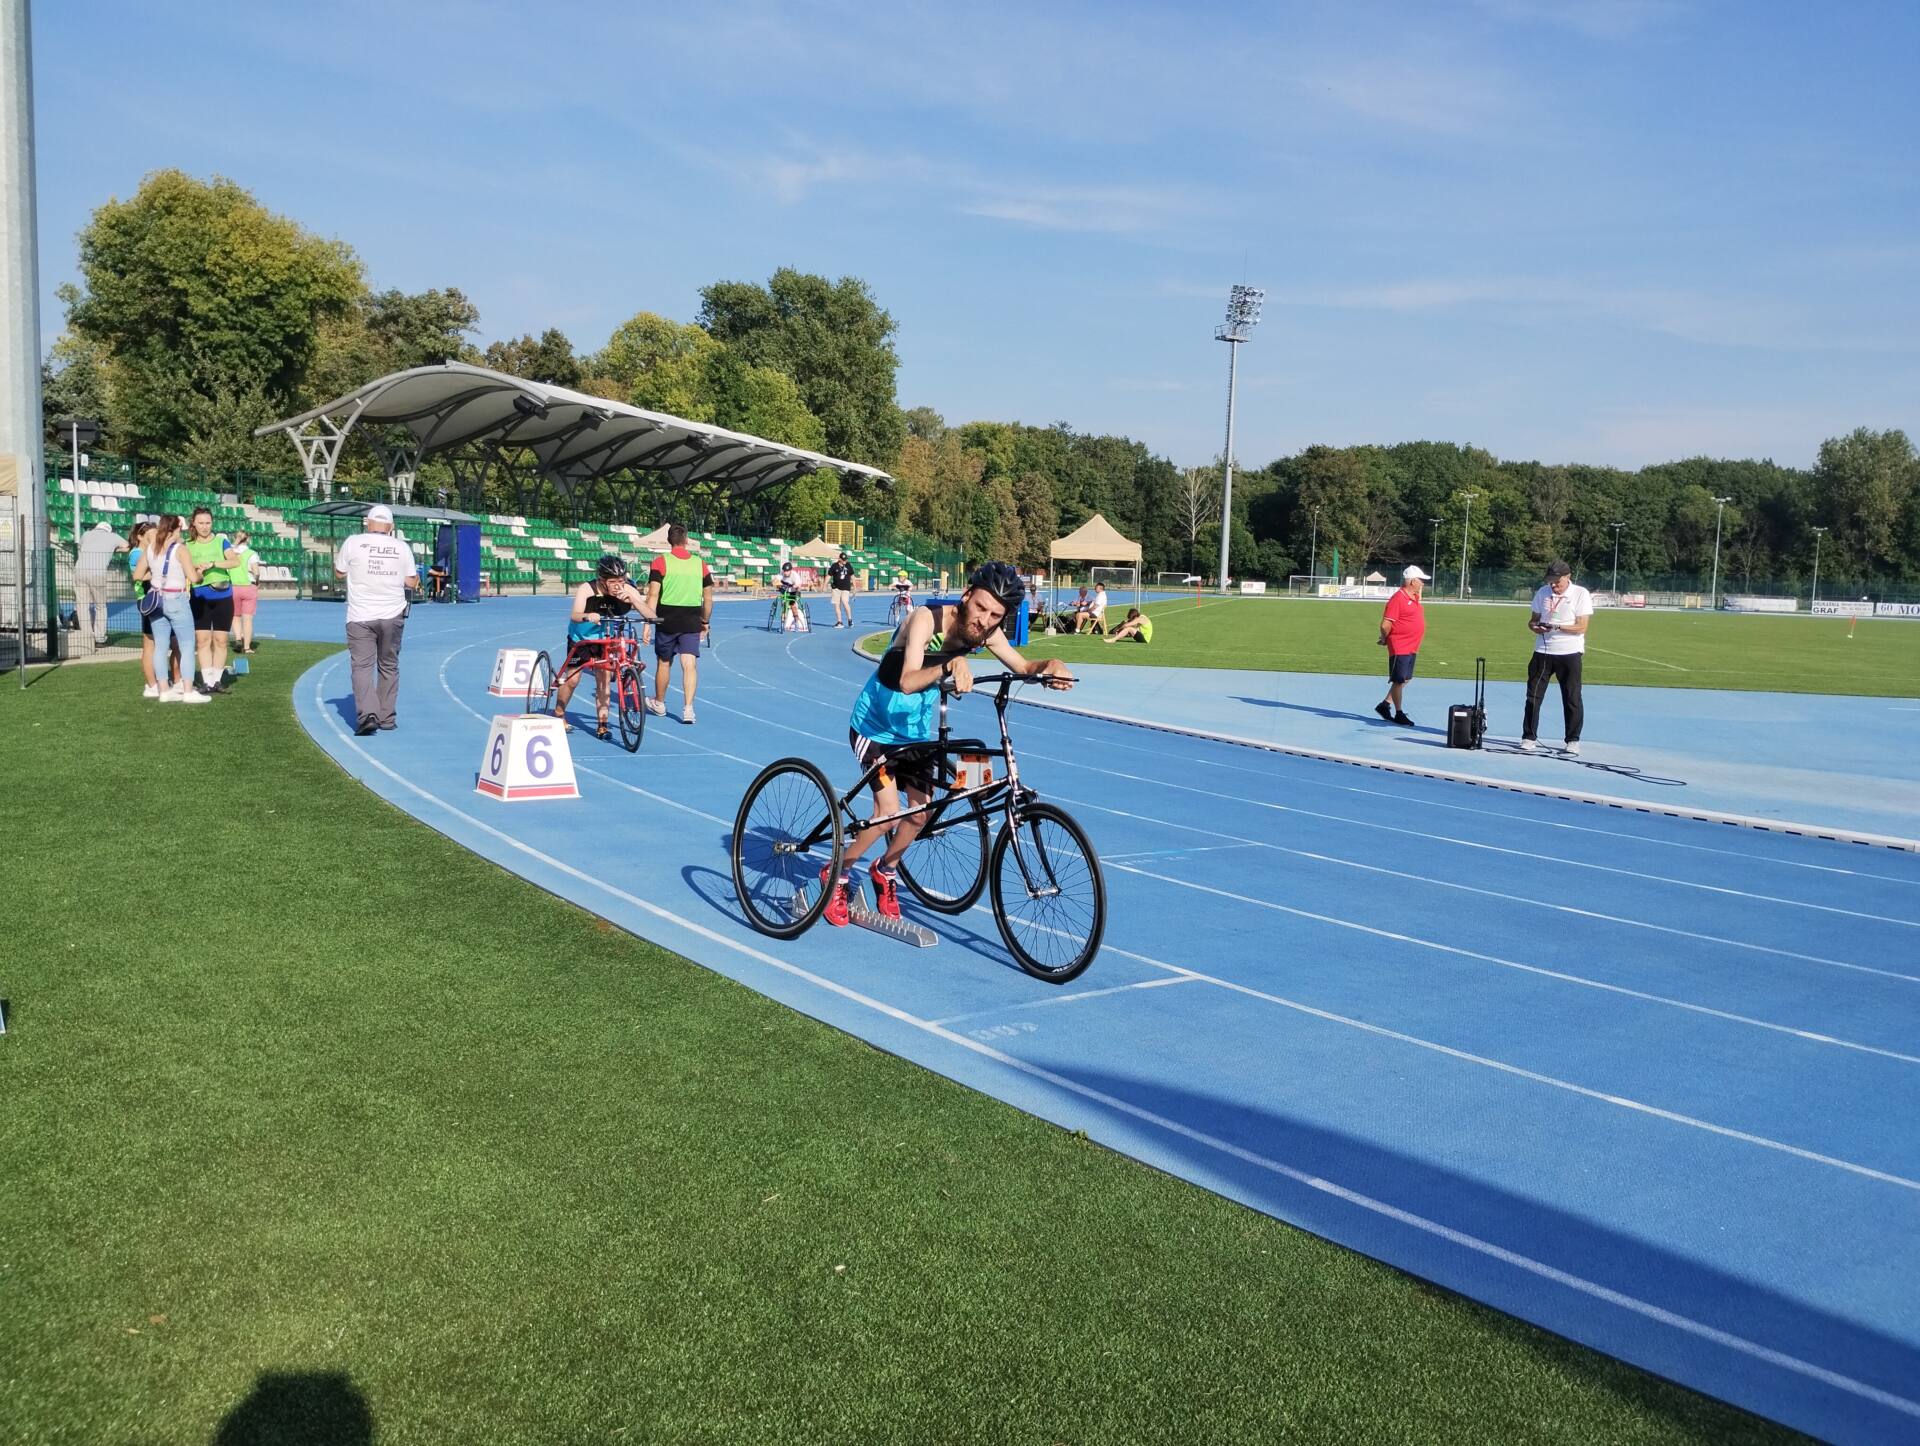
x,y
319,1128
1643,649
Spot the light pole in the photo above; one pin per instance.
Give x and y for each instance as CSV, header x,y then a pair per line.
x,y
1435,522
1466,531
1713,590
1313,559
1817,533
1243,314
1616,526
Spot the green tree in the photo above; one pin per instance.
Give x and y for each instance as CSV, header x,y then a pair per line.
x,y
924,422
660,363
194,289
758,400
548,358
74,383
1862,483
833,339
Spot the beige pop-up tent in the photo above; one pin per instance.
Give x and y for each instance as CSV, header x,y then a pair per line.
x,y
1094,541
819,550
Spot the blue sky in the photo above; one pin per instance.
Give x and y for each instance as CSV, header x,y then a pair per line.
x,y
1615,231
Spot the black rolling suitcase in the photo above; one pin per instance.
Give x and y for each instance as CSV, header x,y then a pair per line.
x,y
1467,722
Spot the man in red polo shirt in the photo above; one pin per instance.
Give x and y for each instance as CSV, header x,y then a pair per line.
x,y
1402,626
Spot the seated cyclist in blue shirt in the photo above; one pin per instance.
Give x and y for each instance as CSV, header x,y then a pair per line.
x,y
900,707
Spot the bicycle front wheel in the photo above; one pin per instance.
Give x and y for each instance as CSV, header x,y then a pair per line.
x,y
1048,897
633,712
542,689
947,866
787,834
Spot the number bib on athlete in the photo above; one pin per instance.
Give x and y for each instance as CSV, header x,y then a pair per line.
x,y
527,757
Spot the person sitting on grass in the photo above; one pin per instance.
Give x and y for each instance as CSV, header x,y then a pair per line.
x,y
1138,626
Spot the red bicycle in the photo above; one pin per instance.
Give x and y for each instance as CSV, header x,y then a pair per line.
x,y
615,657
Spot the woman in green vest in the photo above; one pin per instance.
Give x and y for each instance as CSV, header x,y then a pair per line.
x,y
212,599
246,592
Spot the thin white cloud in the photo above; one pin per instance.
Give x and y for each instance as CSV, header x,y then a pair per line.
x,y
1451,99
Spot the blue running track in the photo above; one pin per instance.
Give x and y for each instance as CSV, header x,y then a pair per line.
x,y
1650,1083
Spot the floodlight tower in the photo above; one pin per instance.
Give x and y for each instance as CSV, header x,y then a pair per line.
x,y
1818,533
1617,528
20,439
1713,590
1436,521
1243,314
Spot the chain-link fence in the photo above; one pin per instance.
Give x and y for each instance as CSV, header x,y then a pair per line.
x,y
77,606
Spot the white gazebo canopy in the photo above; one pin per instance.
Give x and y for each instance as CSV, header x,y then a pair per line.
x,y
1094,541
818,550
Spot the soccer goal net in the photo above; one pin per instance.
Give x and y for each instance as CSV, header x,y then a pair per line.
x,y
1164,580
1305,585
1118,580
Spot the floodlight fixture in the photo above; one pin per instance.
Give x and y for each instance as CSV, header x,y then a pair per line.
x,y
1818,533
1243,314
1713,588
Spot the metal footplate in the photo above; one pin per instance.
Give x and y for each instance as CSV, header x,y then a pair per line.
x,y
903,930
858,913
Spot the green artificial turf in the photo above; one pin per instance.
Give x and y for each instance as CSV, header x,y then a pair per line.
x,y
317,1127
1646,649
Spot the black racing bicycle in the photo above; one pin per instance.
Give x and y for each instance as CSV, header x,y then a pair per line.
x,y
1049,899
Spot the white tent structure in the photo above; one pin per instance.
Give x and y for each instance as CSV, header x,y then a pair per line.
x,y
476,418
1094,540
818,550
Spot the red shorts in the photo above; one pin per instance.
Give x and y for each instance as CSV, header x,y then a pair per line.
x,y
245,600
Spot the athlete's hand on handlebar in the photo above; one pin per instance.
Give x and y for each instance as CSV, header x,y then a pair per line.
x,y
958,678
1053,673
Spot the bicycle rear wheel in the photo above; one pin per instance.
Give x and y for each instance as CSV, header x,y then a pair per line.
x,y
788,830
947,866
633,712
1048,896
542,688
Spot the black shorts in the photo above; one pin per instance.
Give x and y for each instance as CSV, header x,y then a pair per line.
x,y
910,764
1400,667
211,614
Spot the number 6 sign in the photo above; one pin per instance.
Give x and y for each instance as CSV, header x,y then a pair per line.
x,y
512,668
527,757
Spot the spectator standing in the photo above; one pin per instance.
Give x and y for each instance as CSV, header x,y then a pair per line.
x,y
93,580
138,542
840,584
1402,625
680,591
170,568
212,599
379,569
1561,611
246,592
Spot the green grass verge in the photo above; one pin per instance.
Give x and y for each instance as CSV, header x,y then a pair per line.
x,y
1642,649
309,1112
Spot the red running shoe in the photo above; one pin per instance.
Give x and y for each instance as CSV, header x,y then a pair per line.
x,y
886,893
837,913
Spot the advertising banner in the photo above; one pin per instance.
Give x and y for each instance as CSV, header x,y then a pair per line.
x,y
1896,610
1734,602
1830,608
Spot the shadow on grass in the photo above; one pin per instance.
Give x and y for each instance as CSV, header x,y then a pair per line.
x,y
299,1408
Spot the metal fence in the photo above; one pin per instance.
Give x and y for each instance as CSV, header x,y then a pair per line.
x,y
71,614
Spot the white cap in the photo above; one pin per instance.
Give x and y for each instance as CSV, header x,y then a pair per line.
x,y
1413,571
380,512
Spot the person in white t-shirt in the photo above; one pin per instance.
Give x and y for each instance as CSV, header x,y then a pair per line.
x,y
380,571
1561,611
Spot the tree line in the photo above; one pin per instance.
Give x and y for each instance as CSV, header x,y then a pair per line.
x,y
201,315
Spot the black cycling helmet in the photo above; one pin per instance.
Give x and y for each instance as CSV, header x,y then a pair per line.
x,y
1002,581
609,567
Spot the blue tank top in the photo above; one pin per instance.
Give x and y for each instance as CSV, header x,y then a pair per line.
x,y
885,714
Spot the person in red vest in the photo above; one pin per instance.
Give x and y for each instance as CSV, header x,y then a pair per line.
x,y
1402,626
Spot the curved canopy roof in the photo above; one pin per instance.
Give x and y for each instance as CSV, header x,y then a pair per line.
x,y
577,438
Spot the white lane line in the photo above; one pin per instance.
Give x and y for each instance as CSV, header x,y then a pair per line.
x,y
1404,799
1177,852
1074,998
1532,855
1539,1269
1545,973
1525,899
1655,662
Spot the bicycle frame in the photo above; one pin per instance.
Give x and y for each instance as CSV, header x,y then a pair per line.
x,y
979,800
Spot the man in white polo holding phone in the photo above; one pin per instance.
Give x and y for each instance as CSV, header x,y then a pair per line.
x,y
1561,612
381,573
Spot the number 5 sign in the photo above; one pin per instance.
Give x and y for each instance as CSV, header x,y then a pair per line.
x,y
512,668
527,757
